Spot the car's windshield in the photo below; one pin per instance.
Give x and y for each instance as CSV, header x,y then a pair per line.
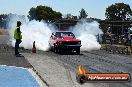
x,y
60,34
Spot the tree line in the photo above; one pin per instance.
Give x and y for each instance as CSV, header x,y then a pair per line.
x,y
114,12
118,12
6,18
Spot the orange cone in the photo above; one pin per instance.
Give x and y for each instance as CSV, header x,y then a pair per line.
x,y
34,48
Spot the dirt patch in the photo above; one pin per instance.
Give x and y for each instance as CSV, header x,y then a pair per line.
x,y
4,32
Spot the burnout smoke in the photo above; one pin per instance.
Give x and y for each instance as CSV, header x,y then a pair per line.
x,y
87,33
35,31
41,31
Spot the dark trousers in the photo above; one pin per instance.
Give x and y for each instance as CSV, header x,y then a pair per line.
x,y
18,41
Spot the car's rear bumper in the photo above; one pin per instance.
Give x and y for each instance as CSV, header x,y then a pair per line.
x,y
68,46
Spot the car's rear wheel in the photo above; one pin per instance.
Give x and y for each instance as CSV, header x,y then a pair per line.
x,y
50,48
56,50
78,51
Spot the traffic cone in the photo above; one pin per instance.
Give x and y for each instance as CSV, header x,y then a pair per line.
x,y
34,48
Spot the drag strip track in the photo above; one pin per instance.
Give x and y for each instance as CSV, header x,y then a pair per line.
x,y
109,61
95,62
67,66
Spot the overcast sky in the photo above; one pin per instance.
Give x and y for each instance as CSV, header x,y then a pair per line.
x,y
94,8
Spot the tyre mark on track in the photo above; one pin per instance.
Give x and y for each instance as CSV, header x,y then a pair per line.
x,y
101,59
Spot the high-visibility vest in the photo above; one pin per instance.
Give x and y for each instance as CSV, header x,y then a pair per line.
x,y
17,35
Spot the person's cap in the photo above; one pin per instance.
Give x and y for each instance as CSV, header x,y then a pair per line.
x,y
19,23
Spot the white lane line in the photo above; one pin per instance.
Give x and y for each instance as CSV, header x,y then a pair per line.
x,y
40,82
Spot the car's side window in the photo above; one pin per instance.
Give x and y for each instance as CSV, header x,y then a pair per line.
x,y
58,35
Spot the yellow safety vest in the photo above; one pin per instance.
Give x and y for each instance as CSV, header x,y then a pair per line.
x,y
17,35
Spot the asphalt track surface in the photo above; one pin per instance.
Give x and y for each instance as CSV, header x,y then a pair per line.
x,y
7,56
94,61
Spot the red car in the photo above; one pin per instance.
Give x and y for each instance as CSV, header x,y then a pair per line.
x,y
64,41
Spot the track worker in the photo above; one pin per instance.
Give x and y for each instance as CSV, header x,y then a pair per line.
x,y
18,38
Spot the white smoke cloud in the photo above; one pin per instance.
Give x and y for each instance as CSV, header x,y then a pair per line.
x,y
41,31
38,32
35,31
87,32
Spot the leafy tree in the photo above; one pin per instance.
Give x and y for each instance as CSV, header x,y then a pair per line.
x,y
118,11
6,19
44,13
3,20
83,14
68,16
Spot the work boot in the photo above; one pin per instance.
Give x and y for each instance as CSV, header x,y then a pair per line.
x,y
19,55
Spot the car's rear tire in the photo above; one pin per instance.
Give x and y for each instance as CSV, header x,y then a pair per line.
x,y
78,51
56,50
50,48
